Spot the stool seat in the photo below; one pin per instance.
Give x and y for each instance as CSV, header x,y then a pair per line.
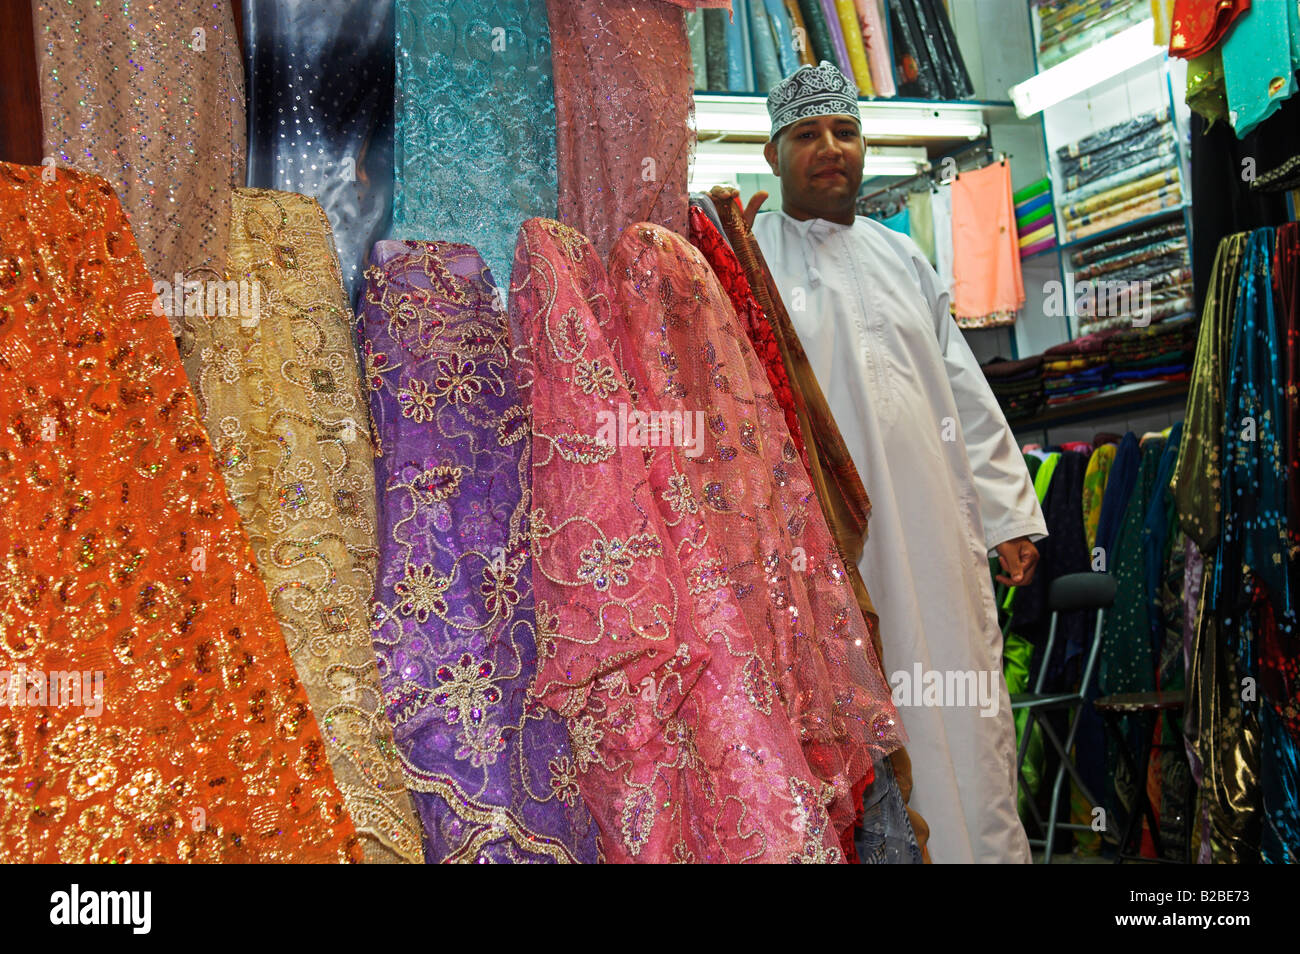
x,y
1123,702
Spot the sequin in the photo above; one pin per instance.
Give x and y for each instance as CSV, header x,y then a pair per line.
x,y
205,749
300,402
455,627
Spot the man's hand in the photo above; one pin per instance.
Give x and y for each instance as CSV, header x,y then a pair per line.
x,y
1019,559
728,194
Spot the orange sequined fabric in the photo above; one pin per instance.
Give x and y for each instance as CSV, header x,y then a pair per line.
x,y
185,735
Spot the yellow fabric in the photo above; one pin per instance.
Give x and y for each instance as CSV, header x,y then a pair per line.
x,y
1038,235
1162,11
848,13
281,397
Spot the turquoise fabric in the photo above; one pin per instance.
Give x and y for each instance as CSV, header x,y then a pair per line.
x,y
899,222
1260,57
475,150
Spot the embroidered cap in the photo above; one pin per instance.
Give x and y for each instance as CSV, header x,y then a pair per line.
x,y
812,91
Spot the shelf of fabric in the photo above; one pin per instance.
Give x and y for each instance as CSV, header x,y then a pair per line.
x,y
1123,399
1172,212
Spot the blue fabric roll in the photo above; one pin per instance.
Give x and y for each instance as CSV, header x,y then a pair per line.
x,y
783,30
738,80
767,69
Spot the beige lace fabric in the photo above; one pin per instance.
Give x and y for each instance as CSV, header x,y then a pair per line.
x,y
280,393
151,97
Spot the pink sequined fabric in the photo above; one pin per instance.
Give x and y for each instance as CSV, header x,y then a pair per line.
x,y
681,747
623,101
759,534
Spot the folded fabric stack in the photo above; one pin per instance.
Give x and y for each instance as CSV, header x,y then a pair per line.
x,y
1018,386
1035,219
1076,369
1066,27
1119,174
1138,279
1162,352
762,41
927,60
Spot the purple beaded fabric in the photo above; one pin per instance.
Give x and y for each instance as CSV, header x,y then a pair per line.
x,y
453,624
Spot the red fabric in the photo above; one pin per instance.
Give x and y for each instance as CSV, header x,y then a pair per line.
x,y
1200,25
706,237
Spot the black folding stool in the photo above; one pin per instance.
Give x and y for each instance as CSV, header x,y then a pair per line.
x,y
1074,591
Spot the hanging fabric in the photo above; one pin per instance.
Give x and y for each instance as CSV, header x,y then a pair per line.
x,y
461,82
988,288
280,393
626,605
623,105
185,736
167,129
747,481
454,626
320,104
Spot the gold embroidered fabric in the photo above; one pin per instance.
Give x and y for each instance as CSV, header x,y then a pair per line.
x,y
150,710
150,95
280,393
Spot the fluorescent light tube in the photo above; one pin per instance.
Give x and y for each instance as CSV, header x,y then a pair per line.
x,y
1082,71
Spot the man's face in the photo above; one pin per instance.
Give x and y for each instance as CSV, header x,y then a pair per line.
x,y
819,162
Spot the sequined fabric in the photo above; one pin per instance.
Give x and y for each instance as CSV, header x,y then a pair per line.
x,y
320,113
760,521
151,97
623,102
124,557
680,747
1196,480
454,624
279,390
722,260
475,117
844,501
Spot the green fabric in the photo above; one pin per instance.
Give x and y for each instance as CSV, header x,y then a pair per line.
x,y
1017,652
1031,190
1127,661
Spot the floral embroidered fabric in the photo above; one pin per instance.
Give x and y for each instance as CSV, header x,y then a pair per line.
x,y
678,749
280,393
762,525
477,72
491,769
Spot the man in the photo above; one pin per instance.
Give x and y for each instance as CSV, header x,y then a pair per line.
x,y
947,482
